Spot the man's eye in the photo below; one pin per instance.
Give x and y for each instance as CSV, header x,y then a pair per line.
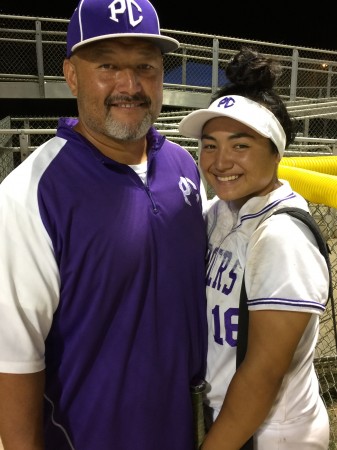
x,y
145,68
108,67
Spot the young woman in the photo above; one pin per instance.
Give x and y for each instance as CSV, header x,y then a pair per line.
x,y
274,394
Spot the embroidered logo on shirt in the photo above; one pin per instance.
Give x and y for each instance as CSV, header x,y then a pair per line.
x,y
188,188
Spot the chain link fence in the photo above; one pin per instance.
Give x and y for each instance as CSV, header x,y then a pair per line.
x,y
193,73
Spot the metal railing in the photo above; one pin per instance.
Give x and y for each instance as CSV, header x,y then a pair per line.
x,y
32,53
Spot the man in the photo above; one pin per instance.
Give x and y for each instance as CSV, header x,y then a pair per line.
x,y
102,299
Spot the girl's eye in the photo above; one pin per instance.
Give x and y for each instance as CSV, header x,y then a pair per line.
x,y
208,147
240,146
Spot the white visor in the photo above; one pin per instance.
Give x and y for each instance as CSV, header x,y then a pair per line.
x,y
241,109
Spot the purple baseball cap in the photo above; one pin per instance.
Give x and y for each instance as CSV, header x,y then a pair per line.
x,y
94,20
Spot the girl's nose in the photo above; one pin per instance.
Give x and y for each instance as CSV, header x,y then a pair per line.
x,y
223,160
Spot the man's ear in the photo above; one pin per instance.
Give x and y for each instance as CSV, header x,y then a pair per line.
x,y
69,73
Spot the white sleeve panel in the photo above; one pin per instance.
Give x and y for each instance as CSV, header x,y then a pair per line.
x,y
29,277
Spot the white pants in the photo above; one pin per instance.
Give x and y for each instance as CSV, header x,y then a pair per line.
x,y
305,433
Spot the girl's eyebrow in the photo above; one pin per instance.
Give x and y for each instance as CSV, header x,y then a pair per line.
x,y
232,136
207,136
240,135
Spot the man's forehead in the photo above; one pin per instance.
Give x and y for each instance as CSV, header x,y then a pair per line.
x,y
122,43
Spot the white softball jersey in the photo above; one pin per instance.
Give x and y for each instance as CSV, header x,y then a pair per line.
x,y
285,271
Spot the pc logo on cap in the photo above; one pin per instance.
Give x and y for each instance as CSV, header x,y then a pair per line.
x,y
94,20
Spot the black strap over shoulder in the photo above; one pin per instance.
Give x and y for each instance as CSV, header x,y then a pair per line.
x,y
242,326
242,342
307,218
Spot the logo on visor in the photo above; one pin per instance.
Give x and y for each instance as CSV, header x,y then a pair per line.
x,y
226,102
118,7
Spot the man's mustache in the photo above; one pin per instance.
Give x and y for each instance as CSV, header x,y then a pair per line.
x,y
118,99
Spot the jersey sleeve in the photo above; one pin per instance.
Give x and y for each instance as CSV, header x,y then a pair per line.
x,y
285,269
29,284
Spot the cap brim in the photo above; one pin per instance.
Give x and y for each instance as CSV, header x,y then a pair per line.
x,y
192,125
165,43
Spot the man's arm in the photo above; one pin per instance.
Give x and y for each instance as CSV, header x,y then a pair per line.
x,y
21,411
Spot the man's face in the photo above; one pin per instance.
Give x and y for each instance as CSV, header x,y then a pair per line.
x,y
118,84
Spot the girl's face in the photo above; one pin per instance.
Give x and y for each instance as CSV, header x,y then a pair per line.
x,y
237,161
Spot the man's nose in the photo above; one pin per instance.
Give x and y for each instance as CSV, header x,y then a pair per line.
x,y
127,81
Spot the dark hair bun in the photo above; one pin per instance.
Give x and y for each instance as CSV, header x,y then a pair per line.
x,y
250,68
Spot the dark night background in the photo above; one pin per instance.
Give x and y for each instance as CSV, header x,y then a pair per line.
x,y
288,23
283,22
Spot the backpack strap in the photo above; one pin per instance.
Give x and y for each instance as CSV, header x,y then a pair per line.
x,y
243,322
242,342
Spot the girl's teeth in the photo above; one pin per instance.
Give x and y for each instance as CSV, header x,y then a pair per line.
x,y
233,177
